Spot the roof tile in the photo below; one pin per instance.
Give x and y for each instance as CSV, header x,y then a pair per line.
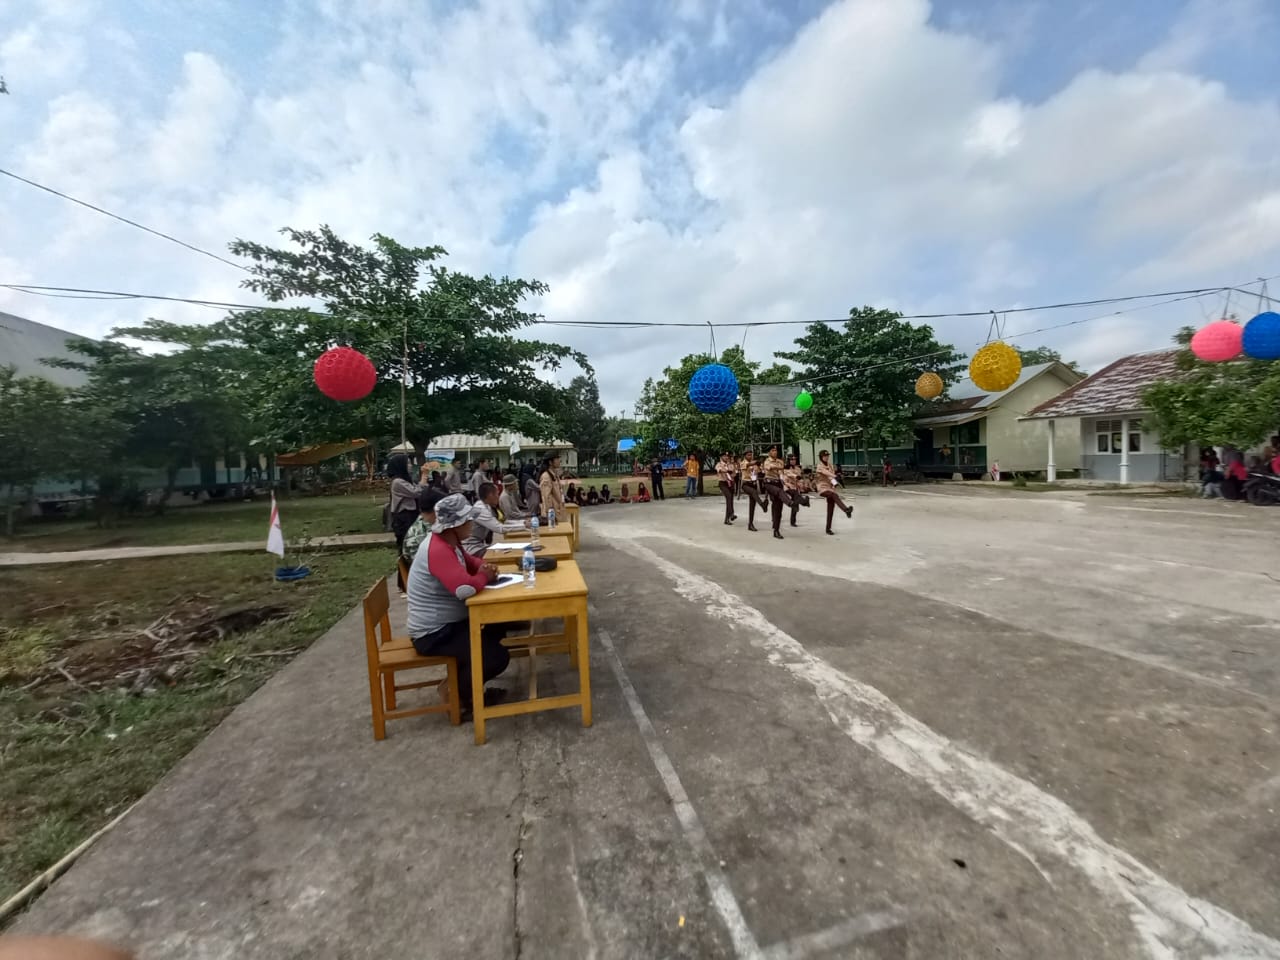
x,y
1116,388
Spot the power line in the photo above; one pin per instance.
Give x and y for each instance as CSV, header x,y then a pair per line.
x,y
132,223
89,293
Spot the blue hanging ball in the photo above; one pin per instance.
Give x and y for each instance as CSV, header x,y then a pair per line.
x,y
714,388
1262,336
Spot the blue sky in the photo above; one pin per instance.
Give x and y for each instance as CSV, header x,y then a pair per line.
x,y
683,159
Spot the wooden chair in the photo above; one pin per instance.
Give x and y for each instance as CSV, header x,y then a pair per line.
x,y
403,566
389,655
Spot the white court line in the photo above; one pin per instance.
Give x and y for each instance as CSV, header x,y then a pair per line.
x,y
1167,920
726,904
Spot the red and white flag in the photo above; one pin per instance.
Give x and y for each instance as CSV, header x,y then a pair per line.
x,y
275,537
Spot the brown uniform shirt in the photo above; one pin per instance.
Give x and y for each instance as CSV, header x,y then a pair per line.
x,y
772,468
826,476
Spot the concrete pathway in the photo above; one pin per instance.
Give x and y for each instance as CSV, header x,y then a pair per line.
x,y
31,558
963,727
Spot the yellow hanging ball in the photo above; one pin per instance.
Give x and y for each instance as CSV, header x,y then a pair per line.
x,y
929,386
995,367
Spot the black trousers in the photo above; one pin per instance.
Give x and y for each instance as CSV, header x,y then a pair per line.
x,y
778,496
727,490
754,497
658,492
454,640
833,501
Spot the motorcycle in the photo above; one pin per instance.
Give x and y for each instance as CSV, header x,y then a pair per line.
x,y
1262,489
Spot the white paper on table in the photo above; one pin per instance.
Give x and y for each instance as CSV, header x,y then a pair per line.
x,y
506,580
514,545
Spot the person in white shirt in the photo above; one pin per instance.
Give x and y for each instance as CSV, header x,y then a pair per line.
x,y
509,502
453,479
479,477
485,522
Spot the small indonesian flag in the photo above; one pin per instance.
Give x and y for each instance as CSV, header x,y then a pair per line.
x,y
275,537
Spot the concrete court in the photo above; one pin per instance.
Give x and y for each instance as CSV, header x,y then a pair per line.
x,y
971,725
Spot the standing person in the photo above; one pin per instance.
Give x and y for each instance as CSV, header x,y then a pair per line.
x,y
827,488
793,484
480,475
751,485
725,470
655,480
438,593
453,479
404,503
692,469
888,471
772,468
549,488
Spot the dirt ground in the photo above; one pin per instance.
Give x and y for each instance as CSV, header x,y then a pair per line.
x,y
968,725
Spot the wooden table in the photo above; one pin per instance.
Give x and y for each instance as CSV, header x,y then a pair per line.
x,y
561,535
561,548
560,593
573,513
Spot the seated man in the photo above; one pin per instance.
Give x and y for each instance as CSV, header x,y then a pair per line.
x,y
417,532
509,502
486,522
439,587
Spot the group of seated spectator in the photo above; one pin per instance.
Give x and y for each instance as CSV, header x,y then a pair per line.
x,y
1227,480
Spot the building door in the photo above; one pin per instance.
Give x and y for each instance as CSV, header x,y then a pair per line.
x,y
924,447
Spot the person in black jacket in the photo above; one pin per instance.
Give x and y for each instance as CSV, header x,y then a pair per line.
x,y
655,478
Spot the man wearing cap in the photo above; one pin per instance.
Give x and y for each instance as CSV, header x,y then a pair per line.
x,y
509,501
442,578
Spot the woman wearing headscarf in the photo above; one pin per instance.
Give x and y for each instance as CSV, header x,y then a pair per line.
x,y
826,482
552,493
441,580
404,503
725,471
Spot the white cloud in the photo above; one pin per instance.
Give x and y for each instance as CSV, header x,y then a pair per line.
x,y
874,157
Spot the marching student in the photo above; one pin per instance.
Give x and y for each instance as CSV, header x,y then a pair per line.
x,y
752,487
827,488
772,468
725,471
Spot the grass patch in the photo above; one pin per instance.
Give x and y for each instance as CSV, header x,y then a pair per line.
x,y
75,752
213,522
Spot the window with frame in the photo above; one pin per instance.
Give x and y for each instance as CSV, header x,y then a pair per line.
x,y
966,433
1108,435
1135,436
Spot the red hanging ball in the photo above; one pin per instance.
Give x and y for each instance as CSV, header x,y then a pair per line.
x,y
345,374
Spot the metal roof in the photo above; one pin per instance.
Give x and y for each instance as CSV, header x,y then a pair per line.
x,y
951,419
967,390
24,342
495,441
1116,388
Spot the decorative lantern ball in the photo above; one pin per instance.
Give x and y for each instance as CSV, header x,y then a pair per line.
x,y
345,374
804,400
713,388
995,367
928,386
1218,342
1261,338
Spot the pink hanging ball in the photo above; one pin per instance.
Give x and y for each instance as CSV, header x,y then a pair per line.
x,y
1218,342
345,374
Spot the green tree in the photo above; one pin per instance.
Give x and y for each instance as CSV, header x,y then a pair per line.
x,y
34,436
862,374
180,406
1233,404
667,412
582,421
1035,355
453,337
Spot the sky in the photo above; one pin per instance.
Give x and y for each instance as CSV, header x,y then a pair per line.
x,y
673,160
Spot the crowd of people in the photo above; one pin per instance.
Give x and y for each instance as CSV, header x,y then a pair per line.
x,y
773,484
1226,476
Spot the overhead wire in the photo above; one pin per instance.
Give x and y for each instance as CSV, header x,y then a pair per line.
x,y
122,219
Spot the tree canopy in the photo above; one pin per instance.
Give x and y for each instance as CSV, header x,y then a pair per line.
x,y
1233,404
665,406
862,374
1035,355
581,420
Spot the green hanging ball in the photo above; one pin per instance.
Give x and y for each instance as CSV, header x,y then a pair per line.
x,y
804,400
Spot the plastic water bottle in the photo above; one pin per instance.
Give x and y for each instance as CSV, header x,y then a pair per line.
x,y
551,518
533,529
527,566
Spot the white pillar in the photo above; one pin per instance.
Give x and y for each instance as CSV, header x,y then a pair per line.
x,y
1124,450
1051,473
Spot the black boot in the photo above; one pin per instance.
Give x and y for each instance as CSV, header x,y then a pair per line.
x,y
830,532
777,535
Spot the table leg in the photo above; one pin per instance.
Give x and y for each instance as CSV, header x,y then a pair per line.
x,y
477,678
584,666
